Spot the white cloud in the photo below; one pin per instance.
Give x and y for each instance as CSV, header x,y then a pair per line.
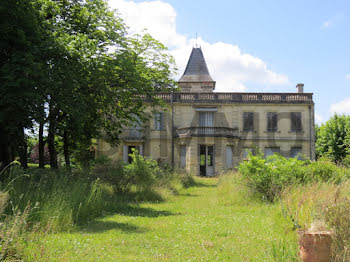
x,y
318,119
347,76
332,21
231,68
326,24
342,107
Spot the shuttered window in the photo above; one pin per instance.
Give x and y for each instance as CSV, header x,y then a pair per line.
x,y
295,121
158,121
229,157
248,121
296,151
271,121
271,150
182,156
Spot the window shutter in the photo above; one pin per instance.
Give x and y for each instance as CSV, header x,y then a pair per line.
x,y
125,153
296,121
271,121
182,156
229,157
248,121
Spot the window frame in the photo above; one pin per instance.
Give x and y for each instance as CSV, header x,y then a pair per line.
x,y
159,121
272,121
296,122
248,121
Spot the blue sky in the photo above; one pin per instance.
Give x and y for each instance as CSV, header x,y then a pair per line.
x,y
258,46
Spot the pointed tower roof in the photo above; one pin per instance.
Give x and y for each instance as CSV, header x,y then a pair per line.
x,y
196,69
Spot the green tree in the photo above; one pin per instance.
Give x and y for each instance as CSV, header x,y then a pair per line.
x,y
332,138
75,70
19,71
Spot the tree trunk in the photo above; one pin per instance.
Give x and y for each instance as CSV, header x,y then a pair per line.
x,y
41,146
51,144
22,149
66,148
5,150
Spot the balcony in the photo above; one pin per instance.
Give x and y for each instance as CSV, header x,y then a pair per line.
x,y
132,134
207,132
275,98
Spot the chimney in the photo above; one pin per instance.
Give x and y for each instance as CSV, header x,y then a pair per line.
x,y
300,88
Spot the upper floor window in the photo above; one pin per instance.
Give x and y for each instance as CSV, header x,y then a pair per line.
x,y
295,118
272,121
206,119
248,121
158,120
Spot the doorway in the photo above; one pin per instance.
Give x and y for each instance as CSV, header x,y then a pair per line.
x,y
206,160
131,150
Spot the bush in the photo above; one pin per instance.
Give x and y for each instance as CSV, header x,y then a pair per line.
x,y
141,175
269,176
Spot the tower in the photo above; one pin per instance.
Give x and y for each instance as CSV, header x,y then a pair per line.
x,y
196,77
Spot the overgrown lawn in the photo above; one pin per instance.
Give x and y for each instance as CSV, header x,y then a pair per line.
x,y
215,220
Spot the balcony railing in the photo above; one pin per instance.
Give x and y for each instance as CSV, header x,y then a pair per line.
x,y
207,132
286,98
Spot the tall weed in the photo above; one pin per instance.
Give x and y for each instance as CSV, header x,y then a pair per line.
x,y
325,203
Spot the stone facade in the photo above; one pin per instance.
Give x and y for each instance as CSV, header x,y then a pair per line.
x,y
207,133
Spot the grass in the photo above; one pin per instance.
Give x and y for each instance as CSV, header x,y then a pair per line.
x,y
211,221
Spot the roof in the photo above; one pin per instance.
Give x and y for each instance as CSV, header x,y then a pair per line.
x,y
196,69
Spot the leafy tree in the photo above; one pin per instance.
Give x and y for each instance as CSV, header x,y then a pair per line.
x,y
332,138
19,71
76,70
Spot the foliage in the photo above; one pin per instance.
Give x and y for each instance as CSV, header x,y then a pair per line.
x,y
72,66
333,138
268,177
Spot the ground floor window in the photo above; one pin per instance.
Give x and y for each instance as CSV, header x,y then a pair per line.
x,y
296,151
271,150
229,157
183,156
246,151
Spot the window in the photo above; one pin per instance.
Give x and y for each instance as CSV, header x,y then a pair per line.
x,y
248,121
295,121
135,129
246,151
206,119
296,151
271,121
271,150
182,156
229,157
158,121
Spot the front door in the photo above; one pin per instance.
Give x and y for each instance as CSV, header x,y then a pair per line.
x,y
206,160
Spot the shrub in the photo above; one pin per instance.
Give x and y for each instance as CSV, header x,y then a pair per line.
x,y
268,176
271,175
141,173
